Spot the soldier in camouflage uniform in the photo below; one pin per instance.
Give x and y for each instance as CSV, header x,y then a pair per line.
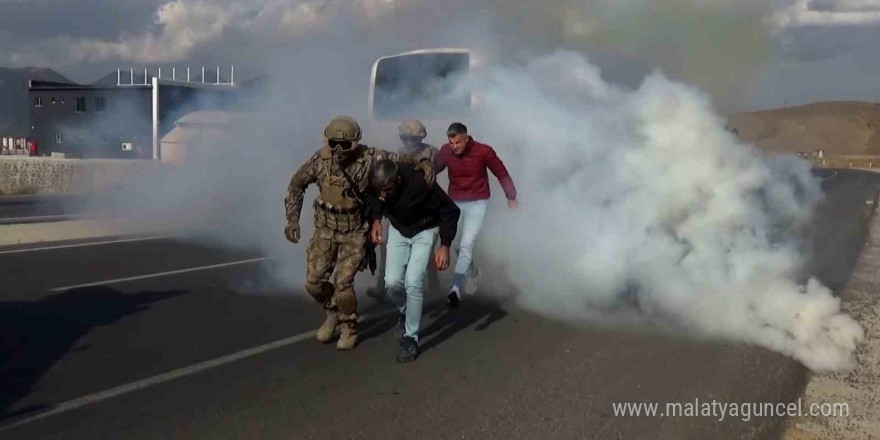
x,y
412,134
342,221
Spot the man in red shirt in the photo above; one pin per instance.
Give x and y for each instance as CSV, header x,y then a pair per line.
x,y
468,161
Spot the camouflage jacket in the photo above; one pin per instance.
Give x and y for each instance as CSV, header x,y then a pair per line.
x,y
339,210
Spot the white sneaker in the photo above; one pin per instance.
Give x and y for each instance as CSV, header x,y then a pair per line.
x,y
473,283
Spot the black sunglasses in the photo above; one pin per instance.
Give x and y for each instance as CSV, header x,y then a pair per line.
x,y
341,145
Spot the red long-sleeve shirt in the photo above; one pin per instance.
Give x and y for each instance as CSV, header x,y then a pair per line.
x,y
468,179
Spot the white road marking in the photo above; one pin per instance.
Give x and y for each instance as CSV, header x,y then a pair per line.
x,y
171,375
831,176
94,243
160,274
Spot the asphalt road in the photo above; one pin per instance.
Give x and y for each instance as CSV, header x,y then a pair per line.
x,y
488,370
838,228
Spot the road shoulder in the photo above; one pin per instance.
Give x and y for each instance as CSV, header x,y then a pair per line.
x,y
31,233
856,388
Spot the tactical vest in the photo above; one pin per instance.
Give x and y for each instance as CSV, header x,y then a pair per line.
x,y
336,208
422,151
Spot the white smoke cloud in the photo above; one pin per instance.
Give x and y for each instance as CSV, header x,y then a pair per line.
x,y
643,198
636,203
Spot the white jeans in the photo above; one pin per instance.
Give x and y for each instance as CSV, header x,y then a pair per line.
x,y
472,214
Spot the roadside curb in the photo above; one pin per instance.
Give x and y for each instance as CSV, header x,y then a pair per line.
x,y
25,199
69,230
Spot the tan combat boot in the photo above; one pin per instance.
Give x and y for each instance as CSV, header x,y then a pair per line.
x,y
348,337
328,328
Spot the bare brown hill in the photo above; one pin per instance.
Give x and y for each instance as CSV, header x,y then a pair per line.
x,y
837,127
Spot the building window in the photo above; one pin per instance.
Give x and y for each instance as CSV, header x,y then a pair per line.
x,y
53,100
99,103
80,104
59,138
38,101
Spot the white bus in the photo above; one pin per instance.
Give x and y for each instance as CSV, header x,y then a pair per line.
x,y
427,84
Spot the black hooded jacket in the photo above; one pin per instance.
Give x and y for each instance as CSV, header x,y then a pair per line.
x,y
414,207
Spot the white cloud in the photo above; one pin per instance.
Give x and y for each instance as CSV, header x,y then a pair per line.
x,y
182,27
844,5
827,13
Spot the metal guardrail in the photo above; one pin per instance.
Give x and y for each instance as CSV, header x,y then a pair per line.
x,y
120,76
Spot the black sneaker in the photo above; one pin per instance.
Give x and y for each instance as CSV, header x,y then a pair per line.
x,y
454,297
409,350
401,326
378,293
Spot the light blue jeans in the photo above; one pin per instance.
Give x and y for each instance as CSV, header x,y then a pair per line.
x,y
406,261
472,214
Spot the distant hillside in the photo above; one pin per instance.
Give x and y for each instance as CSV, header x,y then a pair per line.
x,y
838,127
14,97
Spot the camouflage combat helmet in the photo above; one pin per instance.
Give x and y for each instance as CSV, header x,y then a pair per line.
x,y
343,128
413,128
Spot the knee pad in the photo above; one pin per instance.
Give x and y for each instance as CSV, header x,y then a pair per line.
x,y
346,301
322,291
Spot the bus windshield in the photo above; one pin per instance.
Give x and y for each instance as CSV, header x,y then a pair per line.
x,y
422,85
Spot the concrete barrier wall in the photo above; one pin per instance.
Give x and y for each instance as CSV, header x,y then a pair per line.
x,y
44,175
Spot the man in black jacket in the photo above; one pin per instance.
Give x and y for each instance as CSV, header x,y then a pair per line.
x,y
418,213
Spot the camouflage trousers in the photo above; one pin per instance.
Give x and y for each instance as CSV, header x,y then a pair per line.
x,y
340,251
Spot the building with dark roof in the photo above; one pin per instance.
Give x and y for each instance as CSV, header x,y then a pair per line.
x,y
123,114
